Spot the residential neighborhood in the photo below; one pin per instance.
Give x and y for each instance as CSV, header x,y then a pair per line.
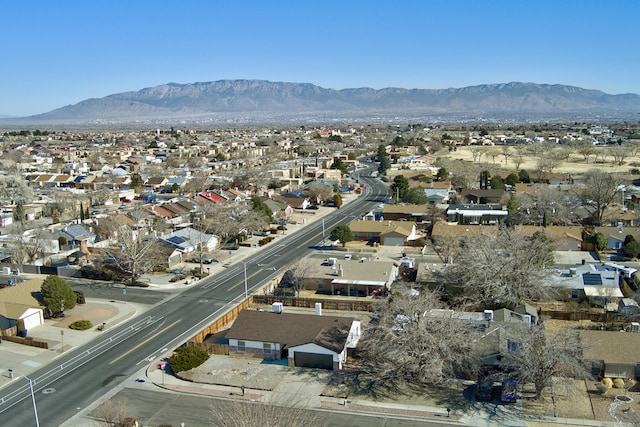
x,y
484,256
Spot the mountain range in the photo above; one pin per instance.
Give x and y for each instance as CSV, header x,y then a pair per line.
x,y
225,100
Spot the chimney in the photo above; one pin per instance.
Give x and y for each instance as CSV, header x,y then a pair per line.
x,y
318,309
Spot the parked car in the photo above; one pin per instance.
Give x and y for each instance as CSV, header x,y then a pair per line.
x,y
484,391
508,392
205,260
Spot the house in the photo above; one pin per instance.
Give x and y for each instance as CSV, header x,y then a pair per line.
x,y
73,236
305,340
189,239
406,212
624,362
564,238
388,233
598,283
19,308
476,214
616,235
436,196
481,196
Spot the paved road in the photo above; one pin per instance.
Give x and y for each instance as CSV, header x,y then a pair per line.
x,y
156,408
82,376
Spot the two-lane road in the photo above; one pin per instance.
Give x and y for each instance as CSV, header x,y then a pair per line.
x,y
80,377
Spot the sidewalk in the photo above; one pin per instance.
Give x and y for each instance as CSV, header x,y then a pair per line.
x,y
24,359
293,387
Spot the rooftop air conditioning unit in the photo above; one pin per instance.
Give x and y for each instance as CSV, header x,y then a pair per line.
x,y
635,327
488,315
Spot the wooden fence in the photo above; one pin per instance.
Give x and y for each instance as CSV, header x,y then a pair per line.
x,y
221,322
26,341
327,304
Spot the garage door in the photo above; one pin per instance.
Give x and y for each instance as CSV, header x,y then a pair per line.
x,y
312,360
394,241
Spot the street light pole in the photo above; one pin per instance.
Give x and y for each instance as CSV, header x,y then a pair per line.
x,y
246,289
33,401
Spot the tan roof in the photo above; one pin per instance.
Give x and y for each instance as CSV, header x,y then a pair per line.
x,y
15,300
611,346
554,232
291,329
381,227
460,230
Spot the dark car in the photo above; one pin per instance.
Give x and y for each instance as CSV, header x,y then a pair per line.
x,y
484,391
313,207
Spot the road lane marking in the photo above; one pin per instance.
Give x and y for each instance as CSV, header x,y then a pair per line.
x,y
145,341
242,281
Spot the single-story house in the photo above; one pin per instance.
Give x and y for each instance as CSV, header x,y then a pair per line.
x,y
481,196
19,307
305,340
616,235
406,212
624,362
476,214
352,276
564,238
387,233
189,239
598,283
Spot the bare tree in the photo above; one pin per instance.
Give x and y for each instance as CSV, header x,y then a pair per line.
x,y
517,156
296,274
245,413
600,190
619,154
539,355
446,245
27,245
199,182
407,343
506,152
477,152
548,202
584,148
507,268
15,189
319,192
113,414
136,253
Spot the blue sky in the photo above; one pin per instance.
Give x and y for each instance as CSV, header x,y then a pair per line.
x,y
56,53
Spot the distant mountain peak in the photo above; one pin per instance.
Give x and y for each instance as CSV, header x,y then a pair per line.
x,y
221,99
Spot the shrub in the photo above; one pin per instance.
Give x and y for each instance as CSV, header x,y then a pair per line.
x,y
81,325
79,297
608,382
188,357
602,388
618,383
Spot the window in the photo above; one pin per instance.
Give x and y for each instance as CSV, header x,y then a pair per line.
x,y
242,347
266,348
